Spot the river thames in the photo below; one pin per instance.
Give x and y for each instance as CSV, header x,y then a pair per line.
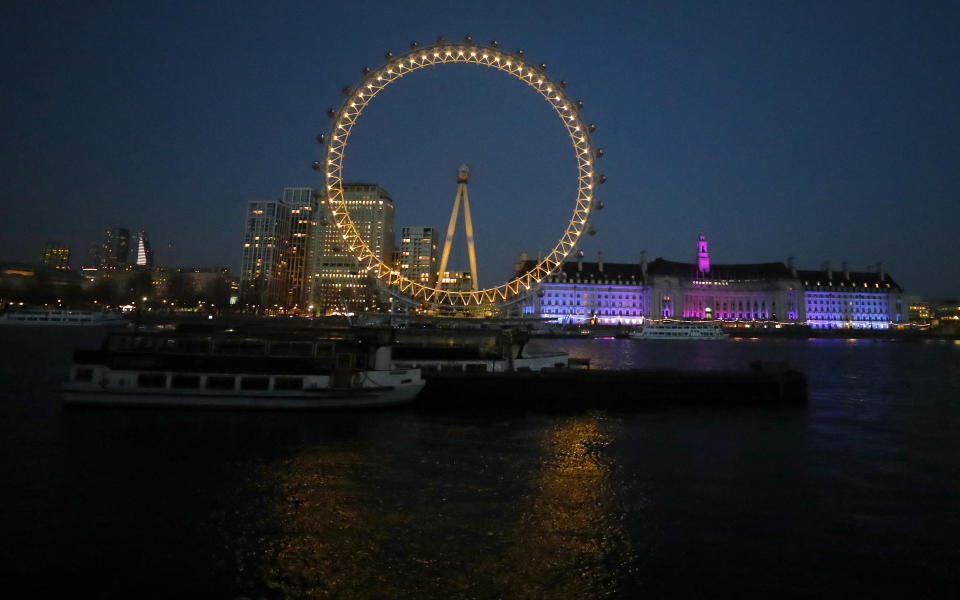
x,y
857,493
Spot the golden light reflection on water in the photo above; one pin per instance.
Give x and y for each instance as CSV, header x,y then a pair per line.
x,y
572,540
466,514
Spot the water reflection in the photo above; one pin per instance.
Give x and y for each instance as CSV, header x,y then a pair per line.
x,y
534,511
570,540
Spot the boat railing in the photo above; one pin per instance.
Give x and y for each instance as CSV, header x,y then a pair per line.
x,y
127,343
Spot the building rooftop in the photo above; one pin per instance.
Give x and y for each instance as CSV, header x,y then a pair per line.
x,y
591,270
838,277
741,272
633,272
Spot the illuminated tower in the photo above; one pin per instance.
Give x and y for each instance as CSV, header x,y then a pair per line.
x,y
144,253
463,175
703,258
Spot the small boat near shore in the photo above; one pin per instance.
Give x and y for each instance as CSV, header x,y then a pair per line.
x,y
679,330
232,370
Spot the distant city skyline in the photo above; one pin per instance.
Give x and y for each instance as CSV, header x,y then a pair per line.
x,y
821,132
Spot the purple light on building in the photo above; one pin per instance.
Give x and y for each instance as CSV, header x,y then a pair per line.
x,y
703,257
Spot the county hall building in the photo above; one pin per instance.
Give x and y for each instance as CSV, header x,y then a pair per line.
x,y
627,294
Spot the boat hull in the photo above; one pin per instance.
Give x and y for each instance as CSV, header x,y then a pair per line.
x,y
93,394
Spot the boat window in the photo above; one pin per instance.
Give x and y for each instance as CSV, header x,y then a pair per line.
x,y
144,343
151,380
241,347
185,381
291,349
194,345
254,383
279,349
301,349
168,345
324,350
84,375
288,383
220,382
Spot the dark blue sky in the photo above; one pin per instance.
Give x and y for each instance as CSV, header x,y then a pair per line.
x,y
779,129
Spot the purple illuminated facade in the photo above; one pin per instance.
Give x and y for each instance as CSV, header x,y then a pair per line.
x,y
852,300
582,293
626,294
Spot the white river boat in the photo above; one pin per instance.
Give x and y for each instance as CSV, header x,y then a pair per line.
x,y
69,318
232,370
680,330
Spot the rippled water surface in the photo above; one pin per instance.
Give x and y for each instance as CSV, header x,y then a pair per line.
x,y
858,493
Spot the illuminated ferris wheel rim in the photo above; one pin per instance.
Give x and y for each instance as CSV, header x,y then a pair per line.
x,y
375,80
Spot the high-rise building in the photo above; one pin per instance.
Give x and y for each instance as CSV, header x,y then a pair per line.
x,y
144,253
418,255
55,256
339,284
457,281
300,252
263,268
115,248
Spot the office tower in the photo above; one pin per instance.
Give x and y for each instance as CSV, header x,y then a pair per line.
x,y
263,268
339,284
55,256
144,253
115,248
418,255
457,281
299,251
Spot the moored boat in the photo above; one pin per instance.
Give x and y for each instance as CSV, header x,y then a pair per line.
x,y
680,330
233,370
40,317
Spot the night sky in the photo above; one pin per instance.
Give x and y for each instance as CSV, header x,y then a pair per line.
x,y
808,129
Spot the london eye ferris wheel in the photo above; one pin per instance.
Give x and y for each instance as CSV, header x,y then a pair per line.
x,y
440,53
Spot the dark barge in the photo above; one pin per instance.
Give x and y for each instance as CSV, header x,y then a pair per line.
x,y
764,385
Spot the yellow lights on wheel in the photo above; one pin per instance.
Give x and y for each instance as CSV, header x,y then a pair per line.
x,y
395,69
